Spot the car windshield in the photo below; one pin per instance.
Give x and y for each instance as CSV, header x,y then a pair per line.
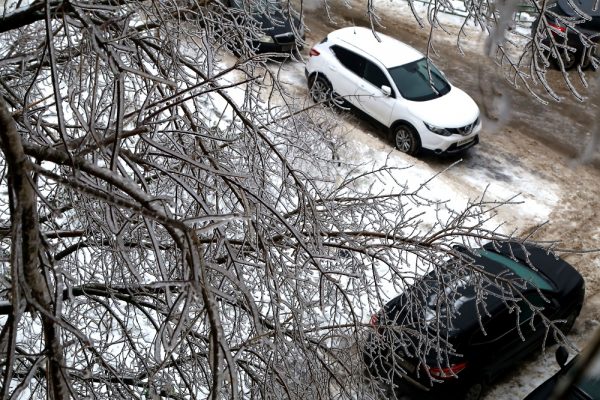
x,y
522,271
415,82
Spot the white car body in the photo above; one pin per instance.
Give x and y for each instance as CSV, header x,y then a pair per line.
x,y
453,113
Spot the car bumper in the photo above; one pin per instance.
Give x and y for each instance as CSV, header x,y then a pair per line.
x,y
449,144
457,147
411,385
264,47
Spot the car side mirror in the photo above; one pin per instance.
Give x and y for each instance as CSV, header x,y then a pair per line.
x,y
561,356
386,90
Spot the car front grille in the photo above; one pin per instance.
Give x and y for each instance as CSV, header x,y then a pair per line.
x,y
285,38
465,130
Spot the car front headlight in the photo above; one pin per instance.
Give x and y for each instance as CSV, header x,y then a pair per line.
x,y
266,39
436,130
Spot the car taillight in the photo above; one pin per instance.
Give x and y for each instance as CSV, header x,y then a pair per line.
x,y
447,372
558,27
313,52
374,321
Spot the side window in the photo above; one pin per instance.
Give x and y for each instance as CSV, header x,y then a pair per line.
x,y
375,75
350,60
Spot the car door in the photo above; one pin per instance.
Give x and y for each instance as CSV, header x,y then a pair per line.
x,y
346,79
370,95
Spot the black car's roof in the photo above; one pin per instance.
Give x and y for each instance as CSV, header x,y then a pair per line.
x,y
459,292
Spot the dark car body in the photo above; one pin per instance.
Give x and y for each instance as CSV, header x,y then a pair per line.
x,y
586,387
579,21
473,357
280,30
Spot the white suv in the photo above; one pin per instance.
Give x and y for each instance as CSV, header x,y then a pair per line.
x,y
397,86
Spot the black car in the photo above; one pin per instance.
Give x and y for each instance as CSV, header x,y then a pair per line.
x,y
574,24
433,346
281,31
586,387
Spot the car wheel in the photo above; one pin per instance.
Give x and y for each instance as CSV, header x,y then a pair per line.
x,y
474,391
568,325
587,58
322,92
571,62
406,140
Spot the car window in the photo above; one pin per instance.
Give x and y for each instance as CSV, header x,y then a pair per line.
x,y
414,82
521,270
374,75
350,60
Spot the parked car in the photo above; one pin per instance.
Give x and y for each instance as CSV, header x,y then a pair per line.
x,y
569,27
586,387
480,340
281,30
396,86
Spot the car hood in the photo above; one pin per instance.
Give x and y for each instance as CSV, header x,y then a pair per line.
x,y
455,109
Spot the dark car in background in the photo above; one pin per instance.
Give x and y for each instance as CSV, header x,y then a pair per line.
x,y
583,381
574,24
430,352
282,29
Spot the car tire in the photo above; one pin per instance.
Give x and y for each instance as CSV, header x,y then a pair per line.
x,y
568,325
322,92
587,60
406,139
572,62
474,391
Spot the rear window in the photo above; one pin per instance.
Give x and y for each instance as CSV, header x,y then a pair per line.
x,y
522,271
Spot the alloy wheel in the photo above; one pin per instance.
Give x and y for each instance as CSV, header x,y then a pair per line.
x,y
404,140
320,91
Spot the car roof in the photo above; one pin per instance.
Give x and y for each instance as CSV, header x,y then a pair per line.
x,y
388,51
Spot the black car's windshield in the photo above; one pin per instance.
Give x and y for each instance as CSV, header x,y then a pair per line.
x,y
522,271
415,82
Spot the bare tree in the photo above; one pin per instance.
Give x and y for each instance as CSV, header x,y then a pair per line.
x,y
175,225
